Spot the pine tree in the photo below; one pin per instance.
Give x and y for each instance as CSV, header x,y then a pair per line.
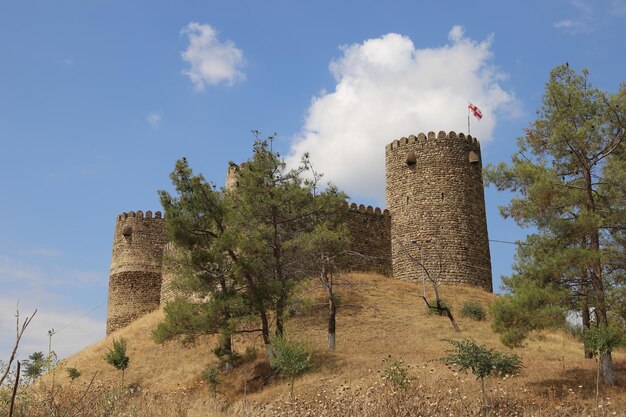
x,y
564,180
239,253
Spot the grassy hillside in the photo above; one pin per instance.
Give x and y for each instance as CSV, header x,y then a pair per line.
x,y
379,317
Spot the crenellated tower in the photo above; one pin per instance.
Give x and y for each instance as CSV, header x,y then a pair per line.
x,y
436,200
435,213
136,274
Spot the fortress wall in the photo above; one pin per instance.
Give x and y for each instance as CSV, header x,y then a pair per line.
x,y
135,275
437,205
370,232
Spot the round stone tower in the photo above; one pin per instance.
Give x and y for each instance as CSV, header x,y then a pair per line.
x,y
437,205
135,275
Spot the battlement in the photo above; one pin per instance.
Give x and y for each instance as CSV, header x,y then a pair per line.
x,y
435,138
139,215
435,211
360,208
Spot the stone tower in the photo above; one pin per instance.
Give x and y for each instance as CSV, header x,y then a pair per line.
x,y
436,201
135,275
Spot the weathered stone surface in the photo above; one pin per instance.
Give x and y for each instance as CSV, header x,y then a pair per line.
x,y
437,208
370,233
135,275
436,213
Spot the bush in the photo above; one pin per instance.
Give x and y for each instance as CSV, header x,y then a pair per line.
x,y
396,372
483,362
116,356
474,310
290,358
73,373
211,375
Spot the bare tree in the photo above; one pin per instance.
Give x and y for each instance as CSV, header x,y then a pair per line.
x,y
434,280
19,332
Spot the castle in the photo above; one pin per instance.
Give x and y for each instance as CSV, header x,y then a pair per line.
x,y
435,214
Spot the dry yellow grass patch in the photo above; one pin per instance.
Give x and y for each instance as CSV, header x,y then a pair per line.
x,y
378,317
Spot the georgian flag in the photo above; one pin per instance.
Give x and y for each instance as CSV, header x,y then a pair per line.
x,y
477,113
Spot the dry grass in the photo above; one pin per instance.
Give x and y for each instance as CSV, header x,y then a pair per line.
x,y
380,317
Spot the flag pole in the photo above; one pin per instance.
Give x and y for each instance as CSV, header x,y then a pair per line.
x,y
468,122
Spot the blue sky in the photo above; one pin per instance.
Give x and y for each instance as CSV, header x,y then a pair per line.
x,y
99,98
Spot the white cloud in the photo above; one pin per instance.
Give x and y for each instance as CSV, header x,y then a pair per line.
x,y
211,60
154,119
73,331
385,89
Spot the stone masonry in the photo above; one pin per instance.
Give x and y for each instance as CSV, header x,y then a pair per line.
x,y
437,204
436,215
135,275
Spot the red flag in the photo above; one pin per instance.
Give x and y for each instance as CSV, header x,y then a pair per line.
x,y
477,113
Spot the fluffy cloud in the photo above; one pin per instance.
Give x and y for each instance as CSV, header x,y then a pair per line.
x,y
211,61
385,89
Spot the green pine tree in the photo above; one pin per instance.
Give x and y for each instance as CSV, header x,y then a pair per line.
x,y
563,178
117,357
243,250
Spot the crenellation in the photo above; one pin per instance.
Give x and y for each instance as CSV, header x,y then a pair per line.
x,y
435,212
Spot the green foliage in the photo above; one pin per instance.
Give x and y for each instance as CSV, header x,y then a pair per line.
x,y
480,360
244,250
34,366
291,358
212,376
530,307
568,183
396,372
603,339
117,357
73,373
474,310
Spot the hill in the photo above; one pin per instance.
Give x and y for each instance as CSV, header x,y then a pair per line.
x,y
380,318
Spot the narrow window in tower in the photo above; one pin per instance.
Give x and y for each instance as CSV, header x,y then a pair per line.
x,y
128,233
411,159
407,200
441,196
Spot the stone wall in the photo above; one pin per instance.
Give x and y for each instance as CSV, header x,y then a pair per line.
x,y
436,201
135,275
370,232
436,214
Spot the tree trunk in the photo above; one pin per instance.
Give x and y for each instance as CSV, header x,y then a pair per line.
x,y
17,383
332,323
586,324
607,370
484,407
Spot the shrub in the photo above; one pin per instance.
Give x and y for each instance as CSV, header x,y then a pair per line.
x,y
116,356
483,362
73,373
474,310
211,375
290,358
396,372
